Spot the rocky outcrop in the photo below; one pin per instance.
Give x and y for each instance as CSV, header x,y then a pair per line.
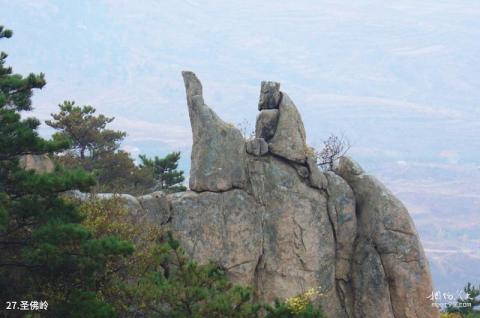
x,y
387,237
317,178
289,140
38,163
218,151
270,95
274,221
298,240
257,147
225,228
341,211
266,124
158,205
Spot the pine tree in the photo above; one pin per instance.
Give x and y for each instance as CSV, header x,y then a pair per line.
x,y
165,173
87,132
45,252
95,148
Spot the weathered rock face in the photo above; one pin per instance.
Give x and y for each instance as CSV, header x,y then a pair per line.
x,y
289,140
218,151
341,211
222,227
277,223
317,178
298,248
39,163
270,95
257,147
266,124
388,240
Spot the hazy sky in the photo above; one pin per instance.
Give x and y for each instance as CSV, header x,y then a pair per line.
x,y
400,79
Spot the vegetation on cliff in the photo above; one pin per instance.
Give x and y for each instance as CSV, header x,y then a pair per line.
x,y
159,280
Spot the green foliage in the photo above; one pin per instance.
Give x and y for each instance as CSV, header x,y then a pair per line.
x,y
45,252
473,298
106,218
284,310
19,137
16,90
450,315
164,171
87,132
95,148
183,288
473,314
300,306
159,280
85,304
5,33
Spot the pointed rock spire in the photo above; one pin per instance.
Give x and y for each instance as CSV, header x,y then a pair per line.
x,y
218,151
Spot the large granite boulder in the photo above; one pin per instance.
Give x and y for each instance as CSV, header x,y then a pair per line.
x,y
218,151
257,147
157,207
370,286
225,228
289,140
387,239
266,124
270,95
341,212
38,163
317,178
276,235
298,239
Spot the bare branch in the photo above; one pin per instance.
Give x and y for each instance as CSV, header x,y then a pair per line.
x,y
246,130
333,148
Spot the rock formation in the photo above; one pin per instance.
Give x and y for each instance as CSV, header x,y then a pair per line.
x,y
289,140
270,95
266,124
264,211
387,237
38,163
218,151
